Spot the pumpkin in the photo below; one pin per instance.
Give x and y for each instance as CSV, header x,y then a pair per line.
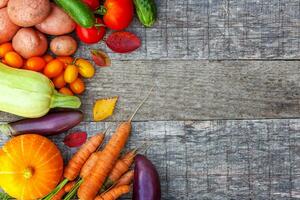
x,y
30,166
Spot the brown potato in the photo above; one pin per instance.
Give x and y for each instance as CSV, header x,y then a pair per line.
x,y
3,3
7,28
29,42
28,13
57,23
63,45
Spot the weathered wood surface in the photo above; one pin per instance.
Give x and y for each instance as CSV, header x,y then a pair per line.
x,y
197,90
219,29
217,160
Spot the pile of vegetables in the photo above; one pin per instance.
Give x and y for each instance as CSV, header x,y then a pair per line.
x,y
25,25
38,72
31,165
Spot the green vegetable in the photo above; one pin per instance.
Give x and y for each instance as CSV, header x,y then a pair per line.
x,y
79,11
146,11
4,196
30,94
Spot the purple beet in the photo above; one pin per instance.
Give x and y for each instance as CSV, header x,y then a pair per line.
x,y
146,185
50,124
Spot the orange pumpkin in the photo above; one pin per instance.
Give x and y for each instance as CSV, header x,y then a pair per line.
x,y
30,166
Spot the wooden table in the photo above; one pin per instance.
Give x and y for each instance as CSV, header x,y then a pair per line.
x,y
223,119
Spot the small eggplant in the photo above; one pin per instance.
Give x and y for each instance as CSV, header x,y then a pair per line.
x,y
146,185
50,124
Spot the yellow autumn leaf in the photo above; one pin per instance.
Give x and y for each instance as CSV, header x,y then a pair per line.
x,y
104,108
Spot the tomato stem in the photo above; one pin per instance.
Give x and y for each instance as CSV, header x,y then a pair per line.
x,y
101,10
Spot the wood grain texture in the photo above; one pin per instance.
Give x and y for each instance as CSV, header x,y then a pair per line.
x,y
217,160
218,29
196,90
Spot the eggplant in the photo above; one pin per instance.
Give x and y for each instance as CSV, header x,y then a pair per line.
x,y
50,124
146,184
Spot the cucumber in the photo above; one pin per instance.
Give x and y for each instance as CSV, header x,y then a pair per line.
x,y
78,11
146,11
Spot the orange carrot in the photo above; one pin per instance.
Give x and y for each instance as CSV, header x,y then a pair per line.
x,y
122,166
114,193
72,170
63,191
89,164
126,179
92,183
105,163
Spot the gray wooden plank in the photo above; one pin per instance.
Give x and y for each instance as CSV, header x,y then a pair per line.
x,y
218,29
223,159
197,90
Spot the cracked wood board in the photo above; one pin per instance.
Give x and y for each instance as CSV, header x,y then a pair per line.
x,y
196,90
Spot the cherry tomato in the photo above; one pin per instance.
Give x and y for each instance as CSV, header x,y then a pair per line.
x,y
48,58
71,73
91,35
86,69
59,81
117,14
77,86
4,48
67,60
66,91
13,59
35,64
93,4
54,68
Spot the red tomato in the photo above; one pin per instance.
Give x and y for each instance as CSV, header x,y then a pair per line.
x,y
91,35
93,4
118,15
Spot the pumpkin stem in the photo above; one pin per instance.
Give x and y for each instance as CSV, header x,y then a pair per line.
x,y
28,172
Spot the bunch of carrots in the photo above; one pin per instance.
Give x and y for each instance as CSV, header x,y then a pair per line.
x,y
100,174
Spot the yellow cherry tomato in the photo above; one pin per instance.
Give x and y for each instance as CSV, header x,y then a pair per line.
x,y
77,86
86,69
13,59
71,73
35,64
54,68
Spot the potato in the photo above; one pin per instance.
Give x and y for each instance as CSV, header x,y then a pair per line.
x,y
57,23
29,42
3,3
63,45
7,28
28,13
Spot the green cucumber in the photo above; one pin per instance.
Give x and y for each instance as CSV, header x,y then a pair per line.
x,y
78,11
146,11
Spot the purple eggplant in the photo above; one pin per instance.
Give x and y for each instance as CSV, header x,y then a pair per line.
x,y
146,185
50,124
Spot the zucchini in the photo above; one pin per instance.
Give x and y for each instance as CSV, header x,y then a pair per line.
x,y
146,11
78,11
30,94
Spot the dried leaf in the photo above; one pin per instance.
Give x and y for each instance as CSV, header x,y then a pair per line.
x,y
100,58
104,108
75,139
123,42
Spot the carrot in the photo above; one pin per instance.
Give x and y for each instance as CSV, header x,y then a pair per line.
x,y
72,170
89,164
126,179
122,166
92,183
114,193
63,191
